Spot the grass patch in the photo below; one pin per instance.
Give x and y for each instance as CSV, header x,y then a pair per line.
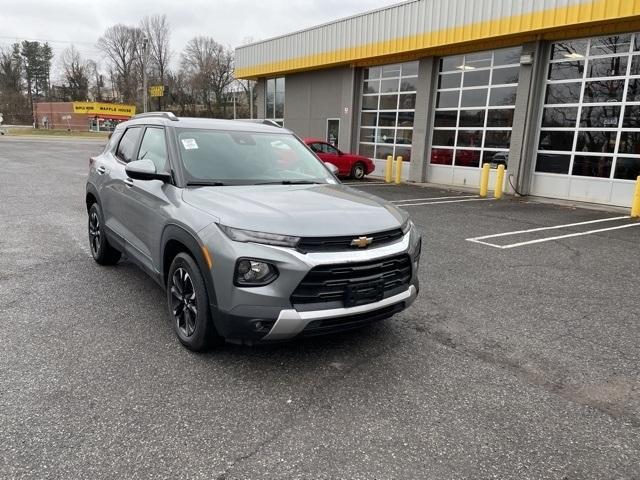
x,y
41,132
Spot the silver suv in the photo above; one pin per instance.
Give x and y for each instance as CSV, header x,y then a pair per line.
x,y
250,234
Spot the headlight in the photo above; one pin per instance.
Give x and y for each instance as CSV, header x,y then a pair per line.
x,y
240,235
406,226
254,273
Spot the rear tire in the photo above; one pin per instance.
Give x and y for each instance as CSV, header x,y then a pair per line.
x,y
188,303
358,171
101,251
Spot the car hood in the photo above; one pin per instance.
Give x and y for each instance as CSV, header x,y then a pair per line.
x,y
299,210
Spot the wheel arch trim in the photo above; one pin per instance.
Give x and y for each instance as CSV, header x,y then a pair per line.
x,y
180,234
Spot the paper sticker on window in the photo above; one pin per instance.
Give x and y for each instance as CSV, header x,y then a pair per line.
x,y
189,144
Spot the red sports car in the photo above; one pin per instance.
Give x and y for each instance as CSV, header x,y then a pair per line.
x,y
349,165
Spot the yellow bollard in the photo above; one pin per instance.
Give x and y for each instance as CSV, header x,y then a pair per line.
x,y
388,173
635,205
497,193
484,180
398,170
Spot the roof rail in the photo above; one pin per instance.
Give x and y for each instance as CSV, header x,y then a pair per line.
x,y
263,121
167,115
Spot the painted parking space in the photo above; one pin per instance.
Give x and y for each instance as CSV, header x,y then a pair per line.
x,y
522,238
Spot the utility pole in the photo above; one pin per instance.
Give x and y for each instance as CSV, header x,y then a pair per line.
x,y
251,99
234,104
145,42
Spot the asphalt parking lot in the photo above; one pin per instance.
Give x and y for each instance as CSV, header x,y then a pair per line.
x,y
518,362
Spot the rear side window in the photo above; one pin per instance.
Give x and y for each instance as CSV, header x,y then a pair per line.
x,y
113,141
127,145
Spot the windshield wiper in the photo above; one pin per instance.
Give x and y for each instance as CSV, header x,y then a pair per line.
x,y
290,182
205,184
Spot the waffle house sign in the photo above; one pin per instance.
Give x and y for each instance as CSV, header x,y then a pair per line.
x,y
118,111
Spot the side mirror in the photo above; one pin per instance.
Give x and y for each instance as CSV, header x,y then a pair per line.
x,y
145,170
332,168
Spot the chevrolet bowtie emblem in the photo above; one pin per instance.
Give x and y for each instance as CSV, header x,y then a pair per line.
x,y
361,242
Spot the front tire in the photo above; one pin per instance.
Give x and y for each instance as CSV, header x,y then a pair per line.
x,y
101,250
358,171
188,304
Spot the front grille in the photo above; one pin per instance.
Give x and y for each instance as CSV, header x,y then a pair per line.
x,y
331,283
332,244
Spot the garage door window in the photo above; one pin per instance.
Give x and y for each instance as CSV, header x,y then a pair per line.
x,y
475,102
589,125
387,110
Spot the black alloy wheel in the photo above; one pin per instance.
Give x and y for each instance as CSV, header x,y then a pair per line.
x,y
94,233
101,250
184,304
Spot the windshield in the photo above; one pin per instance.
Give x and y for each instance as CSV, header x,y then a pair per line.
x,y
247,158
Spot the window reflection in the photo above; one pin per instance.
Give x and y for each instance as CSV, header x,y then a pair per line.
x,y
627,168
595,141
559,116
553,163
498,139
563,93
556,140
500,117
446,118
569,49
629,143
607,67
601,116
469,138
592,166
610,45
631,116
442,156
566,70
603,91
467,158
472,118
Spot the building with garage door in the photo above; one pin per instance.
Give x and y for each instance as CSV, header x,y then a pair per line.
x,y
550,88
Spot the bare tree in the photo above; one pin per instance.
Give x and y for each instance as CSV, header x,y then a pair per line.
x,y
209,67
222,74
122,44
96,81
158,33
76,71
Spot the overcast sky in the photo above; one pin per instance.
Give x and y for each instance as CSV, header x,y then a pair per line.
x,y
230,22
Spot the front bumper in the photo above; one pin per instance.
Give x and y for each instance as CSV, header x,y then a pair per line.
x,y
290,322
257,314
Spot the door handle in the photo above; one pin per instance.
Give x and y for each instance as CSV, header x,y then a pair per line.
x,y
101,170
128,182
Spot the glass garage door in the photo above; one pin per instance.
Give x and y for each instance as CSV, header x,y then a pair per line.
x,y
388,104
589,136
475,103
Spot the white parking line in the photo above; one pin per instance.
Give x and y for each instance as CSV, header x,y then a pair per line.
x,y
557,237
433,198
364,184
444,201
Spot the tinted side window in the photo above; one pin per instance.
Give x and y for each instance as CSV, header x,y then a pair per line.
x,y
326,148
154,148
128,144
113,141
316,147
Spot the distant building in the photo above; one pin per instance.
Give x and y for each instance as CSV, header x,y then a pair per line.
x,y
78,116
